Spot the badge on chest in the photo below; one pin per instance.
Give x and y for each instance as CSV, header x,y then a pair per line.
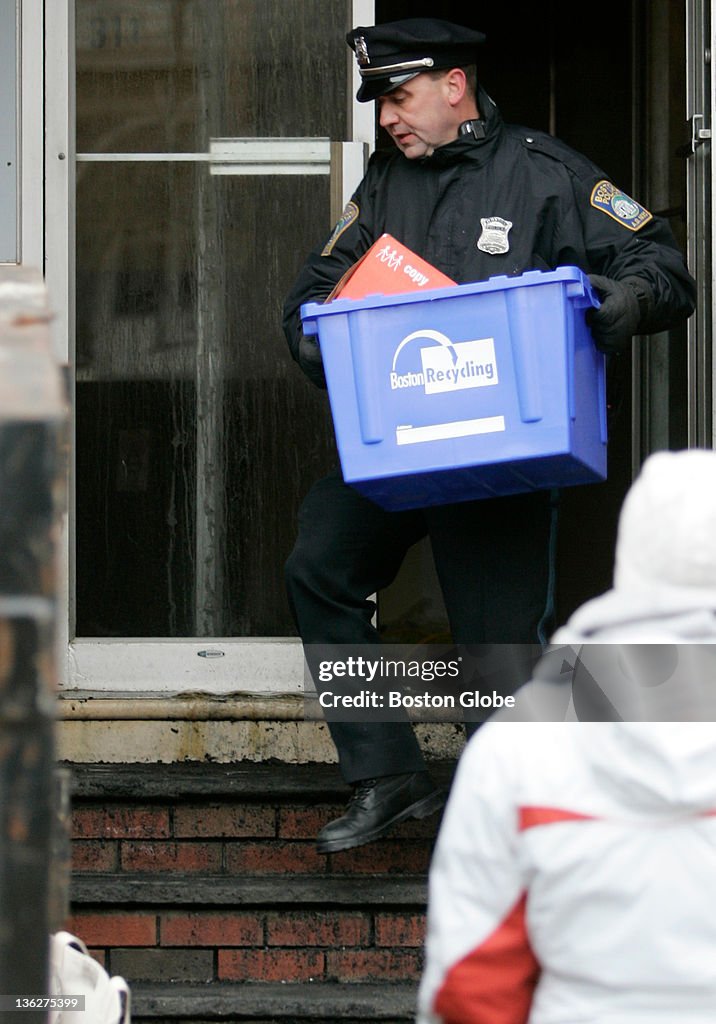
x,y
494,235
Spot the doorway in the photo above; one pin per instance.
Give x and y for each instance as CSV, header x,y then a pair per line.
x,y
600,88
162,373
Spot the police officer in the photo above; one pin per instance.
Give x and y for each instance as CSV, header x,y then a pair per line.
x,y
476,198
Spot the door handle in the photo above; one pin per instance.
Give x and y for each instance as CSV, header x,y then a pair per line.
x,y
698,134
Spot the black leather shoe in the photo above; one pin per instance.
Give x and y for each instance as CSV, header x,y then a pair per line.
x,y
377,805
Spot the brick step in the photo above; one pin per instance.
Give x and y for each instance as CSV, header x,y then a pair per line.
x,y
208,875
214,819
273,1004
253,929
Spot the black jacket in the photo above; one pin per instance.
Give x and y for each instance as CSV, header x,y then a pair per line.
x,y
555,199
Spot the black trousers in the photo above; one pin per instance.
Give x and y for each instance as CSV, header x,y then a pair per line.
x,y
494,560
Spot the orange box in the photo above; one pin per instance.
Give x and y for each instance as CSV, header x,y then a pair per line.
x,y
388,268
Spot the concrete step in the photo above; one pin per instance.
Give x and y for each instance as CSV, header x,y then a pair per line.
x,y
262,781
253,780
128,890
273,1004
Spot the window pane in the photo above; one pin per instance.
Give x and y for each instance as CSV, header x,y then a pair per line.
x,y
167,75
197,436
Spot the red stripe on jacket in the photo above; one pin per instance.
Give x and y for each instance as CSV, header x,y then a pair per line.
x,y
495,982
532,817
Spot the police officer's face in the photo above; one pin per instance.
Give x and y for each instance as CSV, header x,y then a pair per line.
x,y
418,115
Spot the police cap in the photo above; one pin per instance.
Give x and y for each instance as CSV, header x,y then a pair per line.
x,y
396,51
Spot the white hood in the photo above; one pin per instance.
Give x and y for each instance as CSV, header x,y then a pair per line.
x,y
663,614
665,566
667,528
654,767
620,682
646,650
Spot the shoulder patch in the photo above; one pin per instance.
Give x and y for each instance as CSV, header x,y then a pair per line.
x,y
346,219
619,206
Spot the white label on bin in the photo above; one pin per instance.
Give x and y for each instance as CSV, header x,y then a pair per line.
x,y
445,431
467,364
443,366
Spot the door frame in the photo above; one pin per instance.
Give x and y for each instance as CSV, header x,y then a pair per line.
x,y
701,214
264,665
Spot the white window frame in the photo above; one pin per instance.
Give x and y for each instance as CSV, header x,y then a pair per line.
x,y
31,133
10,86
140,666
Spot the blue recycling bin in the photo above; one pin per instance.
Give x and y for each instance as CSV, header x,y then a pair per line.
x,y
466,392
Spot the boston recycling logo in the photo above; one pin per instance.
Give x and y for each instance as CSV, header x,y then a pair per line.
x,y
430,360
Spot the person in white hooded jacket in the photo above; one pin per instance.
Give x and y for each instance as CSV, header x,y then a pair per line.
x,y
573,871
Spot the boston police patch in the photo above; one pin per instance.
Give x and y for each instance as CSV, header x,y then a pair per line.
x,y
619,206
346,219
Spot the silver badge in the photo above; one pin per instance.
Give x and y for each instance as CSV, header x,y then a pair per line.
x,y
494,235
362,50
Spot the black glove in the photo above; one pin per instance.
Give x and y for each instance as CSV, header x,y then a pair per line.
x,y
309,359
625,305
